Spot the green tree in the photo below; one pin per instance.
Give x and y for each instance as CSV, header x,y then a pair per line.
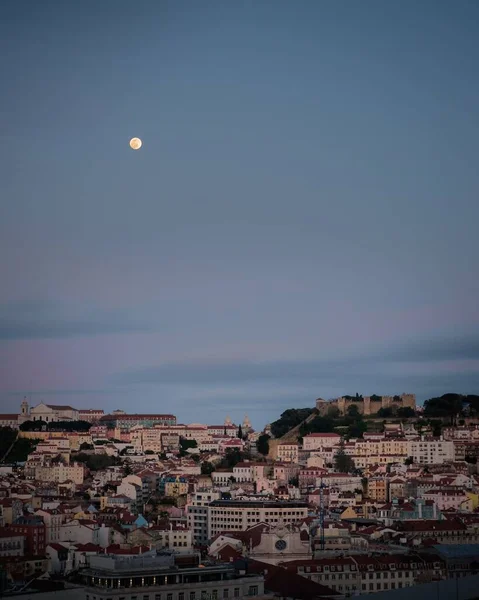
x,y
446,406
343,463
333,412
353,411
86,446
262,444
290,418
207,468
385,413
318,425
33,426
186,445
405,412
96,462
240,432
232,457
409,460
436,428
356,429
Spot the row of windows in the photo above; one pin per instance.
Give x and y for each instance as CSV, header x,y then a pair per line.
x,y
252,591
384,586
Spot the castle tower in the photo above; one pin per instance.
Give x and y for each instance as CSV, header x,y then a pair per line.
x,y
246,423
228,421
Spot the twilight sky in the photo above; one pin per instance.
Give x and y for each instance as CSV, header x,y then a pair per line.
x,y
301,221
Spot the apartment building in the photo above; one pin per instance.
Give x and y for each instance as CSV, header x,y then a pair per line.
x,y
11,543
287,452
427,452
175,536
238,515
378,489
53,520
60,473
317,441
365,574
33,530
250,471
450,498
197,514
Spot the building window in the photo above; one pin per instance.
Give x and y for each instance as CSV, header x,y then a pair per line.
x,y
236,593
169,596
253,590
226,593
192,595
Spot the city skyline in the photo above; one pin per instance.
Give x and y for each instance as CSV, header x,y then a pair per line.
x,y
299,222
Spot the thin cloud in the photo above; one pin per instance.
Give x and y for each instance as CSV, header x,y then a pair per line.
x,y
244,372
44,321
460,347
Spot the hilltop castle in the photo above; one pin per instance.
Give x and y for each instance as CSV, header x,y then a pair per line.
x,y
367,405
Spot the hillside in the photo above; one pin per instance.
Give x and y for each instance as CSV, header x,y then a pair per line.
x,y
291,421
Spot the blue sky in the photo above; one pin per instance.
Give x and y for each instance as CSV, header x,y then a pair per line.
x,y
301,220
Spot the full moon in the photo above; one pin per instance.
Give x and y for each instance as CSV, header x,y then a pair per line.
x,y
135,143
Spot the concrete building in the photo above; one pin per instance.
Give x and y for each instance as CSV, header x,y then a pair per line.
x,y
238,515
159,577
428,452
197,514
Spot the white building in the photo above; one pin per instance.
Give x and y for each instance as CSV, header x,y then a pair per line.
x,y
53,520
197,514
317,441
427,452
48,413
82,531
238,515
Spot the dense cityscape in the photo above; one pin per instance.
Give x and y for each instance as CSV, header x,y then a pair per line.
x,y
239,309
352,496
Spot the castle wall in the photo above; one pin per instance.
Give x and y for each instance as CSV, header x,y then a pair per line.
x,y
367,406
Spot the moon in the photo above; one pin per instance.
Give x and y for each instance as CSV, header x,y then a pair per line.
x,y
135,143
